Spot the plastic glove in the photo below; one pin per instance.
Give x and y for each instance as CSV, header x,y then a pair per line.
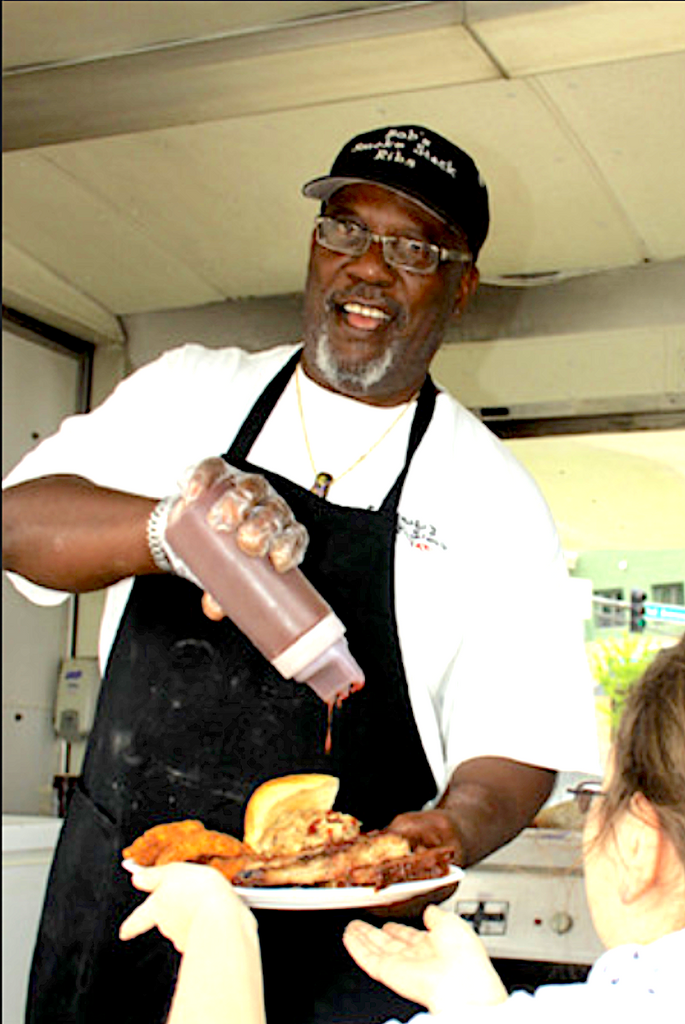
x,y
443,968
262,521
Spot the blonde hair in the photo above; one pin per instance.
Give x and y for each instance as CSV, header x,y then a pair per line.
x,y
649,750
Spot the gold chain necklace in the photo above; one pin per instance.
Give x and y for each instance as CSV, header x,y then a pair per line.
x,y
324,481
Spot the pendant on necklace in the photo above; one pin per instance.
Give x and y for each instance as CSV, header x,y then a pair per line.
x,y
322,484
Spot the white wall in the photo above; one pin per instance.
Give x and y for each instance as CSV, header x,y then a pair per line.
x,y
609,342
39,388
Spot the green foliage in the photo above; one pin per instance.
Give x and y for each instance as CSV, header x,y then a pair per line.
x,y
616,663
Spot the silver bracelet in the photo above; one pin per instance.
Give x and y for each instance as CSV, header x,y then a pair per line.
x,y
156,525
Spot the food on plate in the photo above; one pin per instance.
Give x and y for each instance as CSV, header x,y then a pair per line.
x,y
293,837
181,840
292,813
377,859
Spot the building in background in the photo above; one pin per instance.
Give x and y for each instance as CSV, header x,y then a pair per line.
x,y
615,575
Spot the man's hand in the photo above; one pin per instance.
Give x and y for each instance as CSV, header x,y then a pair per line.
x,y
487,802
443,968
429,828
263,523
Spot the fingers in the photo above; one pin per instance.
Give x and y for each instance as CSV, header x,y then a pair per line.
x,y
401,932
145,878
245,495
196,480
179,893
249,507
137,923
212,608
263,522
453,933
202,476
361,941
391,938
427,828
288,548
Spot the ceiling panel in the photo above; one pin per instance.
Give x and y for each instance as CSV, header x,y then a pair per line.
x,y
40,293
71,231
189,190
631,120
572,35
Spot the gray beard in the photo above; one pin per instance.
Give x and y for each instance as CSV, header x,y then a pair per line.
x,y
354,378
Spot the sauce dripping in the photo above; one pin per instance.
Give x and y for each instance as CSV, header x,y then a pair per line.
x,y
336,702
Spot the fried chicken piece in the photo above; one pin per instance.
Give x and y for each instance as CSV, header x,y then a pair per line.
x,y
200,846
181,841
146,848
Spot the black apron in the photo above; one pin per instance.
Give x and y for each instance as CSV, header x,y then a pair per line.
x,y
191,719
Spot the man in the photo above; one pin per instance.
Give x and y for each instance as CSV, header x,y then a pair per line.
x,y
428,540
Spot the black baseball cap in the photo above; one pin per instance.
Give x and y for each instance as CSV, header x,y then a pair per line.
x,y
420,164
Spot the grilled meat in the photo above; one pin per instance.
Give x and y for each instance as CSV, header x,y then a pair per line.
x,y
375,858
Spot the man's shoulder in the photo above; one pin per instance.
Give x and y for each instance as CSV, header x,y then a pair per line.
x,y
196,357
478,456
465,427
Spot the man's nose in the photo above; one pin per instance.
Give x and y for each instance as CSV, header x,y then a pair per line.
x,y
371,265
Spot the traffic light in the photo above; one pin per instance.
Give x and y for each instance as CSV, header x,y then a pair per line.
x,y
637,610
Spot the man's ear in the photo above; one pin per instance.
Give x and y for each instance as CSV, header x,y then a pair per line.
x,y
468,284
639,841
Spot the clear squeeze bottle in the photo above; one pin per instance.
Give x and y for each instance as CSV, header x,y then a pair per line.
x,y
282,614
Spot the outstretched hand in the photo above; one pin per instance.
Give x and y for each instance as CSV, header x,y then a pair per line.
x,y
220,976
179,895
445,967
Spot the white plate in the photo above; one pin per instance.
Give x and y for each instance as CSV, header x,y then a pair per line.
x,y
314,898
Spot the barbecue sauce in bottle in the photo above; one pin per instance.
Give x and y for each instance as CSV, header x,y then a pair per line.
x,y
282,614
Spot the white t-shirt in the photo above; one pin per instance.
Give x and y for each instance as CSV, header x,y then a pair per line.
x,y
492,652
630,984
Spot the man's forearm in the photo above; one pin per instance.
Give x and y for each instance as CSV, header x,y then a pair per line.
x,y
66,533
489,800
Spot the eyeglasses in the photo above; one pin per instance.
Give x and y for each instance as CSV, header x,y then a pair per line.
x,y
584,793
412,254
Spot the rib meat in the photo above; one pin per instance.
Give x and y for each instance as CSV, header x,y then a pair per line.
x,y
375,858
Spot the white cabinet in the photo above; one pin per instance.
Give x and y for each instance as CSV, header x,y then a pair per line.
x,y
27,847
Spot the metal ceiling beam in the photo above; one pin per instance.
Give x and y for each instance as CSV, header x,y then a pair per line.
x,y
192,81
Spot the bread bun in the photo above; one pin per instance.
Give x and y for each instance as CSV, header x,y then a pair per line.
x,y
278,809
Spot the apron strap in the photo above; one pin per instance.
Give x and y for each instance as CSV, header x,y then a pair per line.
x,y
422,417
262,409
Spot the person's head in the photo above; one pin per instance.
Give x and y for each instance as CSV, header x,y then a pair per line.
x,y
403,217
635,834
